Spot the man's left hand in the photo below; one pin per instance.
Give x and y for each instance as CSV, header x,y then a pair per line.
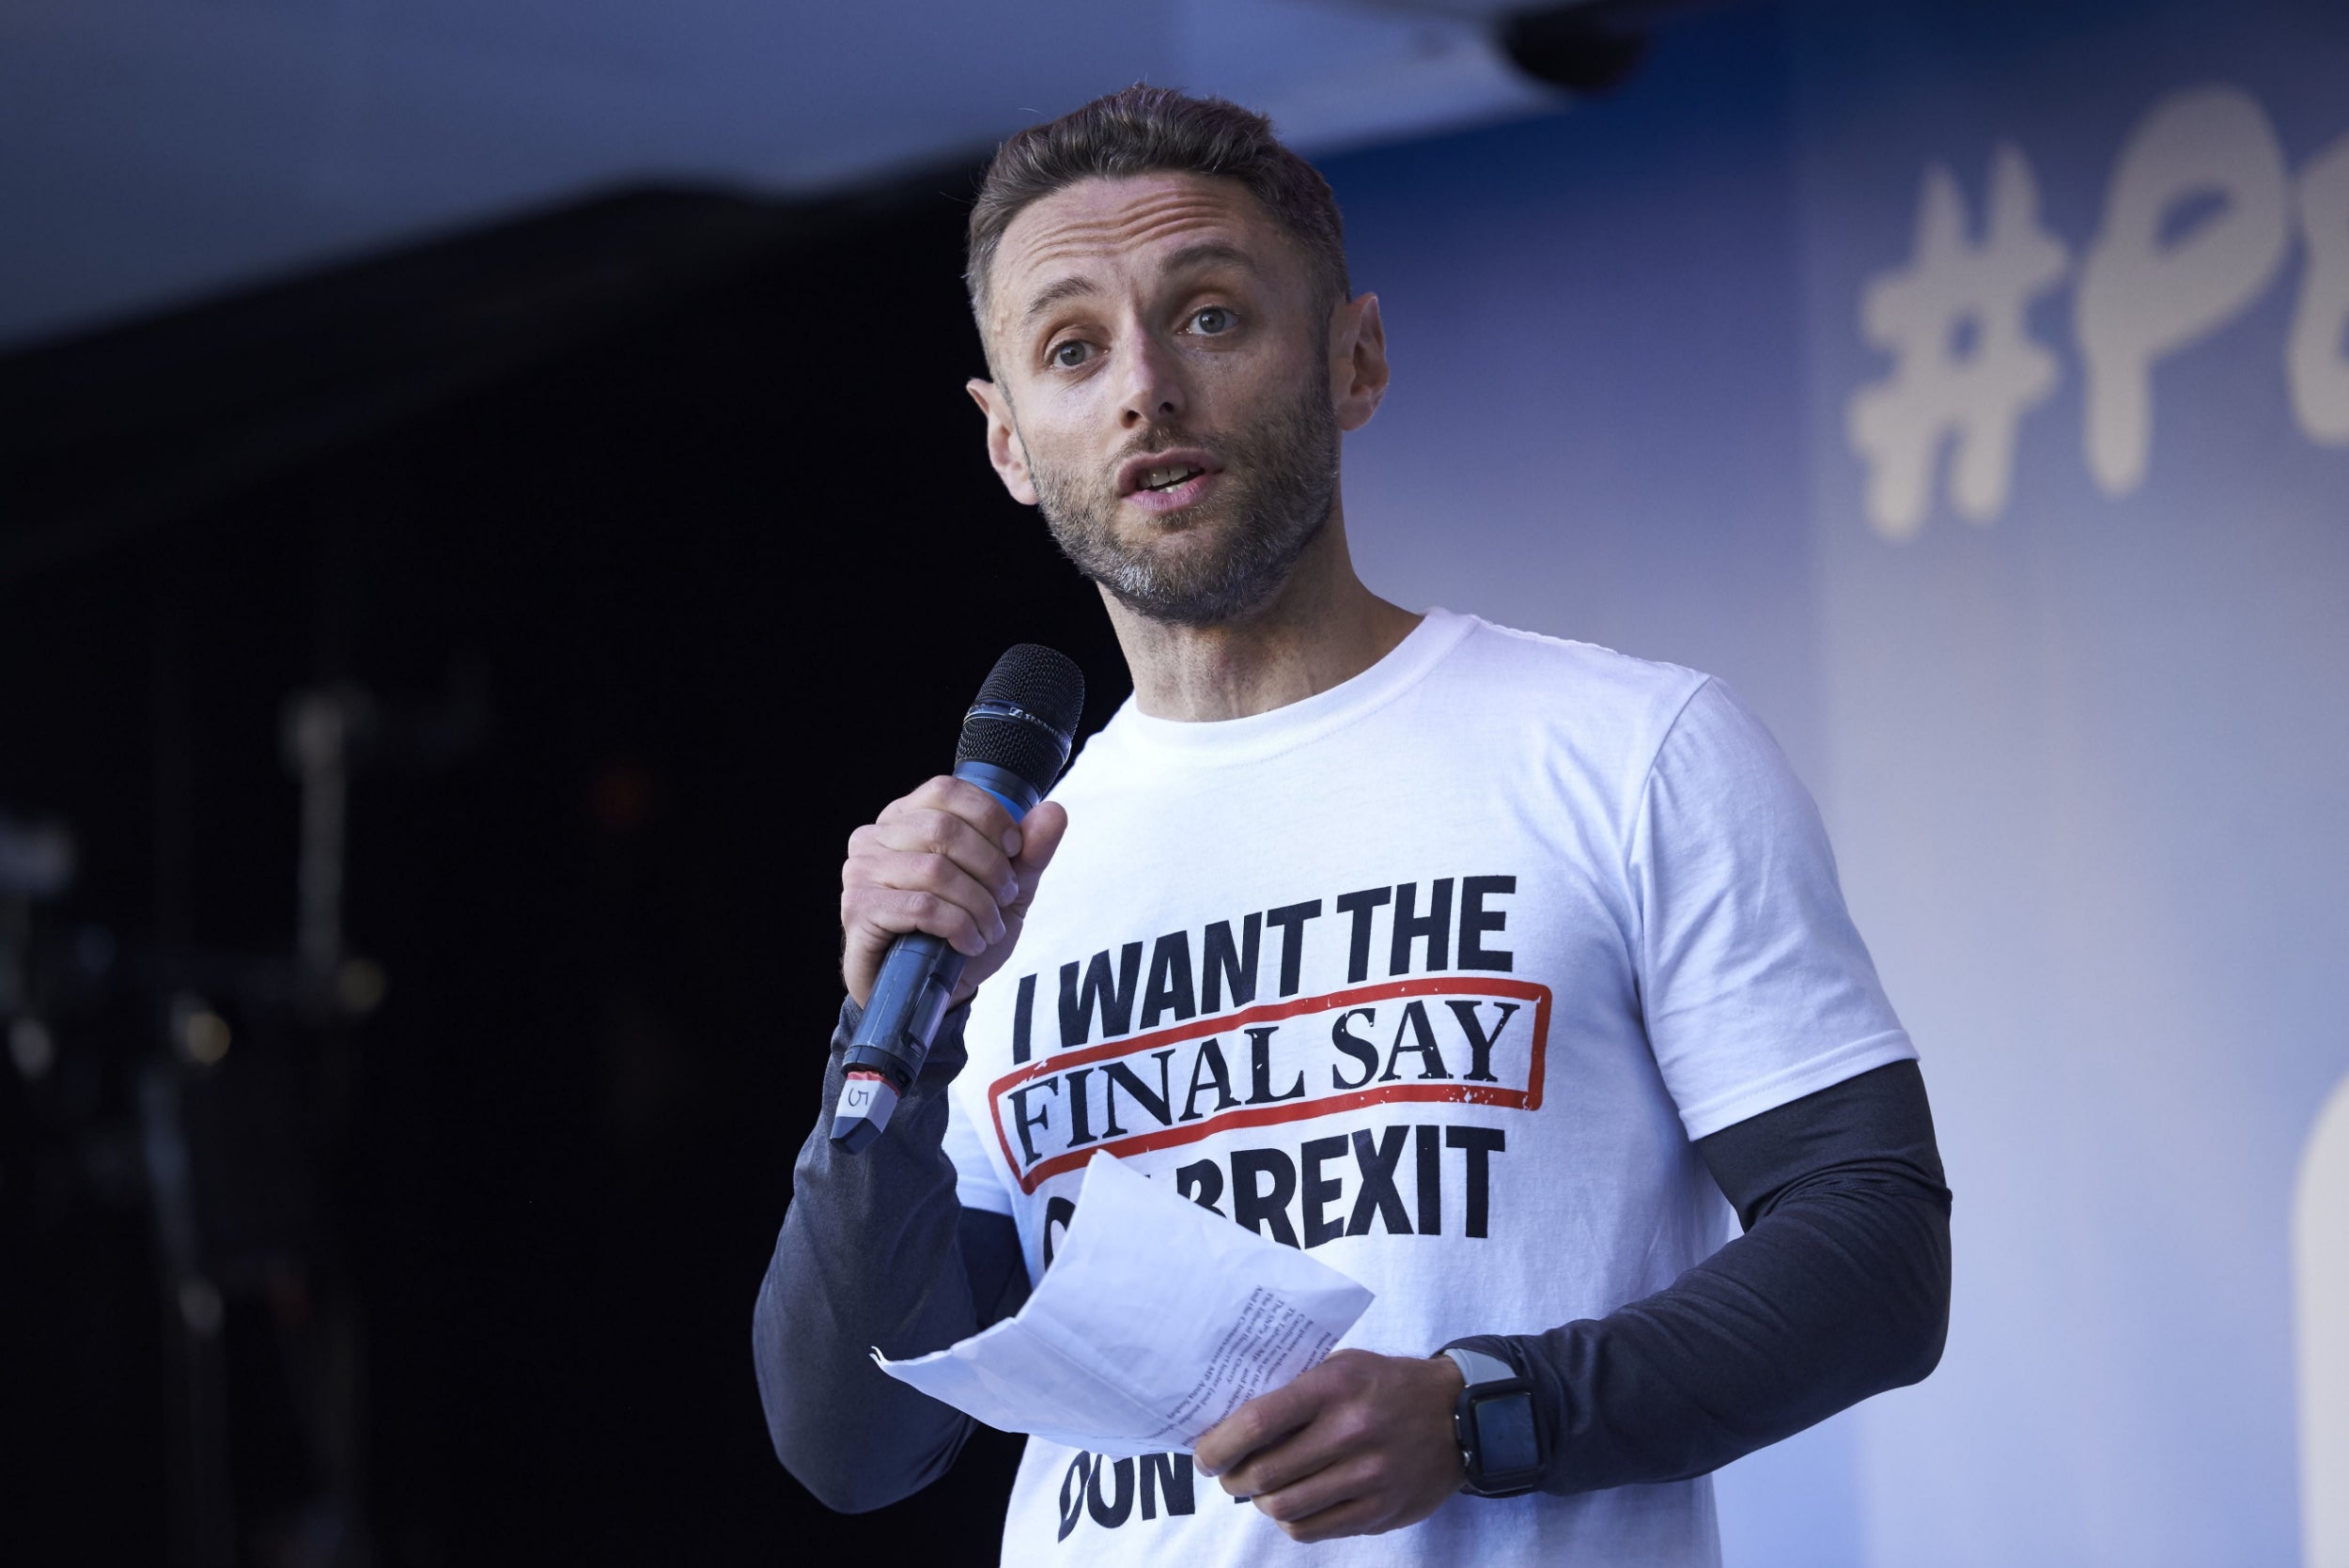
x,y
1360,1445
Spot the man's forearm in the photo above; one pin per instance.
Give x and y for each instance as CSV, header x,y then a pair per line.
x,y
868,1256
1839,1290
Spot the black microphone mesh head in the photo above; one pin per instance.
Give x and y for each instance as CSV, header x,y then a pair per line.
x,y
1044,681
1048,690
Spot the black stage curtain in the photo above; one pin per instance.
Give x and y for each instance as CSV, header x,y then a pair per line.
x,y
658,537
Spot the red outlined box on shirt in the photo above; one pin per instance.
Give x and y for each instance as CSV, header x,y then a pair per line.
x,y
1315,1046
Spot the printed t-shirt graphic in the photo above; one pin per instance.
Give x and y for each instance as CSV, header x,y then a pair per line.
x,y
1438,973
1452,1042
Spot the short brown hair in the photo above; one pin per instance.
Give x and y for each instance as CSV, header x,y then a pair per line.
x,y
1147,130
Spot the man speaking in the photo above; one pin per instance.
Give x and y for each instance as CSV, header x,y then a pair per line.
x,y
1481,963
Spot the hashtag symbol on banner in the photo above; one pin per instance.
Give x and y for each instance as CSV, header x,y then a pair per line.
x,y
1965,368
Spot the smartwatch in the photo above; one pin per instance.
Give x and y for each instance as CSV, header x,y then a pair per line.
x,y
1500,1444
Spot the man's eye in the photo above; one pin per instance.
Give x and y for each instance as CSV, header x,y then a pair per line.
x,y
1068,355
1210,321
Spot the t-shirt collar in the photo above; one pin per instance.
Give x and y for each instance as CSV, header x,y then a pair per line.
x,y
1220,741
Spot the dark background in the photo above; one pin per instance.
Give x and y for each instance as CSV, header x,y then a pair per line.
x,y
658,534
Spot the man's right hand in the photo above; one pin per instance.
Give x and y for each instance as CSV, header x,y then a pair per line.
x,y
947,859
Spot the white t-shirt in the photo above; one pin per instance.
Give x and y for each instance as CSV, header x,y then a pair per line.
x,y
1438,973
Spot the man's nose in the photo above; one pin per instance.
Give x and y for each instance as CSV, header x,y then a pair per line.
x,y
1154,391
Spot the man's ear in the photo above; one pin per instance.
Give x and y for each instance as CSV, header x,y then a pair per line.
x,y
1358,361
1005,449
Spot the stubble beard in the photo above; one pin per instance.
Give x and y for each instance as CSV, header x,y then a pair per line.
x,y
1279,485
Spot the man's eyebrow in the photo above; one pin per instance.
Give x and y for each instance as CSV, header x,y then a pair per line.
x,y
1204,254
1052,294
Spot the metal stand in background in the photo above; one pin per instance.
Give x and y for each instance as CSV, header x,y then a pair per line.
x,y
277,1270
285,1274
233,1127
320,729
323,732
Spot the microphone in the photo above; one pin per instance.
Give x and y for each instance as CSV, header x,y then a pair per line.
x,y
1015,740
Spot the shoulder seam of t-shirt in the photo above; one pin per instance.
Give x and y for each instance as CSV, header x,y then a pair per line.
x,y
1578,644
1549,640
1647,781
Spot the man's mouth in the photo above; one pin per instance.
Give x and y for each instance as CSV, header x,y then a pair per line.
x,y
1164,473
1167,478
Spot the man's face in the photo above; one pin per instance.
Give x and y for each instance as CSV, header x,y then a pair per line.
x,y
1165,388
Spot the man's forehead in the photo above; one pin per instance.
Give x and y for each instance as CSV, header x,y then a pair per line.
x,y
1107,223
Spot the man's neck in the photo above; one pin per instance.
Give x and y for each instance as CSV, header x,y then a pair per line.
x,y
1321,628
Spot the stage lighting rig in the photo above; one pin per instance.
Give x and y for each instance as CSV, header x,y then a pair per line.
x,y
1585,49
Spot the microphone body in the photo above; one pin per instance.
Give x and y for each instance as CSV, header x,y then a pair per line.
x,y
1015,740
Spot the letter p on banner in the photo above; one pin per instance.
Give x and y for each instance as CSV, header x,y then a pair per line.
x,y
2145,293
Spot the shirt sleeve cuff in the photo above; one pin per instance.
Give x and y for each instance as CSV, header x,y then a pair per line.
x,y
1752,1098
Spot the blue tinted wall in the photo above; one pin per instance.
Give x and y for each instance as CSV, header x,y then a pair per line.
x,y
1968,384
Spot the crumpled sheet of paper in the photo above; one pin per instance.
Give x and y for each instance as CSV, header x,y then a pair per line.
x,y
1156,1319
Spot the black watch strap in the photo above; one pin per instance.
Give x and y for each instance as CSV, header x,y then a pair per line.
x,y
1500,1440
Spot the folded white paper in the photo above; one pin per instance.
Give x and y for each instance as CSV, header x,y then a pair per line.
x,y
1158,1319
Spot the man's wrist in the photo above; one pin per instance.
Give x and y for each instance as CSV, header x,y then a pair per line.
x,y
1494,1421
947,1052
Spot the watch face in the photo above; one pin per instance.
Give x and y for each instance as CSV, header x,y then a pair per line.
x,y
1505,1440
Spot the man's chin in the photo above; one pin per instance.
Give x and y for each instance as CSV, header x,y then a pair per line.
x,y
1138,523
1191,588
1179,544
1193,566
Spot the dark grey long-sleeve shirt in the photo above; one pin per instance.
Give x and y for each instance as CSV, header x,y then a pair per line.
x,y
871,1255
1838,1290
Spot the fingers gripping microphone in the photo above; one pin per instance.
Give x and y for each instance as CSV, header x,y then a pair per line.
x,y
1015,740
